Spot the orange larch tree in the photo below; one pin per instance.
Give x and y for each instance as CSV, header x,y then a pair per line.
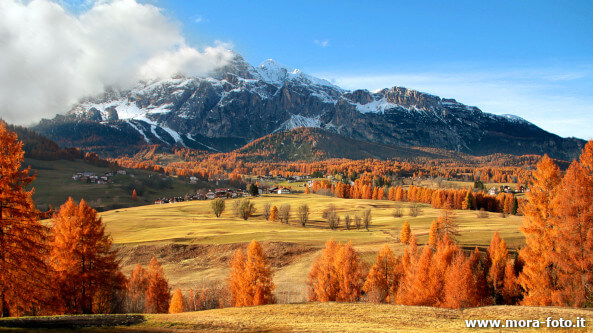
x,y
336,275
405,233
497,254
323,285
136,288
445,253
274,214
478,268
537,276
511,291
573,236
351,273
419,292
23,272
158,292
176,304
434,235
250,278
460,289
408,271
238,284
447,222
82,258
383,277
259,275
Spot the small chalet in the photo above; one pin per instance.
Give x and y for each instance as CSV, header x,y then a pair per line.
x,y
283,191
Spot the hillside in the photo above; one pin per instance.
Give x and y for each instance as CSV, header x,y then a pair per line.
x,y
240,103
54,184
311,144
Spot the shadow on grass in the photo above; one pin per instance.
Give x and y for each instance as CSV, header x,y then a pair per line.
x,y
72,322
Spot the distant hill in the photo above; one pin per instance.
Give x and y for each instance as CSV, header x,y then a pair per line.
x,y
39,147
313,144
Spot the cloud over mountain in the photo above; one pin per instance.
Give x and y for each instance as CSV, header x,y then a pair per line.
x,y
51,57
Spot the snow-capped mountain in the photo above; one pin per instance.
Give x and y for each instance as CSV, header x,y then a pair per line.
x,y
239,103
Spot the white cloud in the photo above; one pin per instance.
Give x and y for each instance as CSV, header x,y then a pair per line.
x,y
322,43
547,98
51,58
197,18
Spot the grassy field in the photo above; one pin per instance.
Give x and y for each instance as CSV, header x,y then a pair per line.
x,y
348,317
195,247
54,185
194,222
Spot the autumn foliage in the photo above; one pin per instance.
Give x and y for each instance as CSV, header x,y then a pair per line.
x,y
405,233
537,276
158,293
23,271
337,274
558,228
85,267
383,278
274,213
137,287
250,279
176,304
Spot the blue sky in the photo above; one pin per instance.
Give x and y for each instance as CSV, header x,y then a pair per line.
x,y
529,58
533,59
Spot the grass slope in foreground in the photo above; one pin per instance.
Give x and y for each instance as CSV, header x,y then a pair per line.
x,y
349,317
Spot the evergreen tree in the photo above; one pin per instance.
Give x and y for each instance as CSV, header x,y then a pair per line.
x,y
253,190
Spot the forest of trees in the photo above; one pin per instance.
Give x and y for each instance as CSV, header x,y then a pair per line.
x,y
69,266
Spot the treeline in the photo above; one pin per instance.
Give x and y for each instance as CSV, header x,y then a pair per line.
x,y
499,168
438,198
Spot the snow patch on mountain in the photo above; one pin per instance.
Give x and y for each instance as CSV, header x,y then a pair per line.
x,y
139,130
277,74
376,106
297,121
514,118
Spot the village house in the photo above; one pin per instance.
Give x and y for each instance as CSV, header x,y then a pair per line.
x,y
284,191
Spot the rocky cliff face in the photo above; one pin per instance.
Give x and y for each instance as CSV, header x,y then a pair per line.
x,y
239,103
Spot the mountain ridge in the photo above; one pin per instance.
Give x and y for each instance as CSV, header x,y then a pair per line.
x,y
239,103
